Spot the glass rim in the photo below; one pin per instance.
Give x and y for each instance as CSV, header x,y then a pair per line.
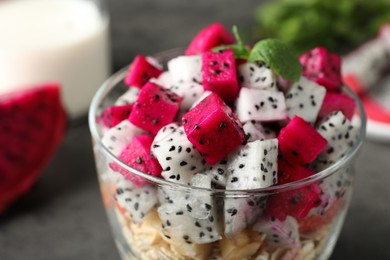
x,y
118,76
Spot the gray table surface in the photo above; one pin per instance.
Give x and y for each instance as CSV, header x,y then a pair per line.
x,y
63,217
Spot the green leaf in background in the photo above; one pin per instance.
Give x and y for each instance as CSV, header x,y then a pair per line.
x,y
241,51
337,25
279,56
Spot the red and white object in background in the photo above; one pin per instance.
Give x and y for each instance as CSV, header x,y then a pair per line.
x,y
366,71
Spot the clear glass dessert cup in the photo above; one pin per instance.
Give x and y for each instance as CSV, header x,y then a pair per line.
x,y
234,220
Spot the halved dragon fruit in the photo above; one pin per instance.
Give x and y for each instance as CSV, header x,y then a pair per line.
x,y
140,72
256,131
304,99
137,154
260,105
176,155
323,67
32,126
299,142
219,74
279,234
186,69
147,110
114,115
256,75
334,101
118,137
213,129
137,201
254,166
212,36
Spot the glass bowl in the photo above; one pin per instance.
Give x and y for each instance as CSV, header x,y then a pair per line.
x,y
168,228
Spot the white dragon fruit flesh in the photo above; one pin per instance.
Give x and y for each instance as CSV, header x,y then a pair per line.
x,y
137,201
256,75
129,97
279,234
254,166
256,131
304,99
186,69
260,105
117,138
189,91
218,172
176,155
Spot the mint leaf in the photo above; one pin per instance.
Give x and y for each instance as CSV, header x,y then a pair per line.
x,y
239,49
278,56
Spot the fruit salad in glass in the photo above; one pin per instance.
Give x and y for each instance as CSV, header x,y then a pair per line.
x,y
226,151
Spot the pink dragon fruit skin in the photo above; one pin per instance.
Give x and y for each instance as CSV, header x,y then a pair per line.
x,y
213,129
323,67
299,142
219,74
337,102
137,155
112,116
155,107
208,38
140,72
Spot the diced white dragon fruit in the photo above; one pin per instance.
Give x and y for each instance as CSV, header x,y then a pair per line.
x,y
254,166
137,201
189,91
177,156
129,97
279,234
260,105
191,216
256,75
218,172
304,99
186,69
256,131
165,79
118,137
203,96
341,136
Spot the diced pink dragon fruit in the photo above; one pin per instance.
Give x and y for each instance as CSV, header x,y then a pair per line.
x,y
304,99
140,72
340,135
128,98
256,75
118,137
137,201
260,105
176,155
178,214
299,142
337,102
279,234
152,100
213,129
137,155
323,67
219,74
112,116
189,91
256,131
186,69
212,36
255,166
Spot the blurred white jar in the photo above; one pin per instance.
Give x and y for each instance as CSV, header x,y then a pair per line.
x,y
55,40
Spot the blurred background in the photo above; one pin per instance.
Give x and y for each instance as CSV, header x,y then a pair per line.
x,y
62,217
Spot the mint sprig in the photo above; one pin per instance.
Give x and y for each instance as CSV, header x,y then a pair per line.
x,y
278,56
240,50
